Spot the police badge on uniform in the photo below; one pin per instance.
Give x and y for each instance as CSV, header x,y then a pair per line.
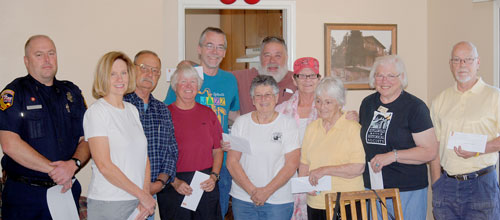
x,y
6,99
69,97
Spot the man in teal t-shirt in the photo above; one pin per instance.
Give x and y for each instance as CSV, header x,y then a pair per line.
x,y
219,92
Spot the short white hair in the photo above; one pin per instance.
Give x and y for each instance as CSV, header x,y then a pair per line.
x,y
187,71
393,60
332,87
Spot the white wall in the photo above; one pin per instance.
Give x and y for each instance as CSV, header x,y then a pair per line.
x,y
451,21
196,22
85,30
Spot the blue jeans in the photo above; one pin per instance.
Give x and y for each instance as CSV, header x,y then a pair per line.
x,y
413,204
248,211
224,188
477,198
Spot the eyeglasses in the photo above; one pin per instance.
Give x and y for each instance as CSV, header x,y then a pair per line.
x,y
144,69
388,76
211,46
468,60
305,76
265,96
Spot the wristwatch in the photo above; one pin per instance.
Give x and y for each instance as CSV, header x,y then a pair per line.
x,y
78,163
163,182
217,177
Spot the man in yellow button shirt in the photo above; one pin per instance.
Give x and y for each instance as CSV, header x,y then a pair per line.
x,y
465,184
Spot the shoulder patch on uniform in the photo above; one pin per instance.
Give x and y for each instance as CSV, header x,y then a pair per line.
x,y
6,99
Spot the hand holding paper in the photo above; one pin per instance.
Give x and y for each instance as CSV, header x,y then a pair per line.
x,y
61,205
302,184
467,141
191,202
376,180
238,143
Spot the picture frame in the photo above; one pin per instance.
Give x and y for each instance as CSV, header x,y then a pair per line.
x,y
351,49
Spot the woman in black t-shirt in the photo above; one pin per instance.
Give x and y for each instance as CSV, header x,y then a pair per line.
x,y
398,136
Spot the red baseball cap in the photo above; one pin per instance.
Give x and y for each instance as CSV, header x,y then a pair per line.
x,y
306,62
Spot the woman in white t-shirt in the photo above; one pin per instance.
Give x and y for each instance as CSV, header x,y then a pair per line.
x,y
120,167
261,186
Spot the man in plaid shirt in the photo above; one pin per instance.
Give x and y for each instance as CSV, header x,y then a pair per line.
x,y
156,121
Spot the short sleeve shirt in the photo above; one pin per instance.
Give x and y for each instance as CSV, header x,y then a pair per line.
x,y
269,143
219,92
48,118
383,132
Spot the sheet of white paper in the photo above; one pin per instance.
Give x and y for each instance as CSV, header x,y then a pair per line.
x,y
468,141
191,202
302,184
169,72
238,143
376,179
134,214
199,69
61,205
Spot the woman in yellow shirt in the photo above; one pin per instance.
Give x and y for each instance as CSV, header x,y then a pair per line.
x,y
331,147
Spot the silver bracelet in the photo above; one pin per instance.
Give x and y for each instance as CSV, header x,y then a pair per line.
x,y
395,154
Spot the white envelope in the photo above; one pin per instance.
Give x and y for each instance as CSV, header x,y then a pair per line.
x,y
169,72
134,214
469,142
61,205
238,143
376,180
199,69
302,184
191,202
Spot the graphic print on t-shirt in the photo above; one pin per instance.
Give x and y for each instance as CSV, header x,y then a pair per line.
x,y
377,132
215,101
277,137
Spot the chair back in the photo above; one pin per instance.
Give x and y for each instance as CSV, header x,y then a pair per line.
x,y
363,197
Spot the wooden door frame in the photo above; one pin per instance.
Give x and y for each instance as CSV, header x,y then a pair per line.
x,y
289,23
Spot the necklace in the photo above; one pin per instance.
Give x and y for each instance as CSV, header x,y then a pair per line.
x,y
258,120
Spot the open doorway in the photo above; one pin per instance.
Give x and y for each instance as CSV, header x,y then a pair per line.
x,y
208,13
245,30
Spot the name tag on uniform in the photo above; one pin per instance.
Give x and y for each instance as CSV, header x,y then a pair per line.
x,y
32,107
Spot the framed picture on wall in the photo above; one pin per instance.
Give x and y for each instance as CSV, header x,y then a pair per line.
x,y
351,49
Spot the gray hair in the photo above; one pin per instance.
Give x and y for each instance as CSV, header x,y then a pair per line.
x,y
264,80
187,71
473,47
398,64
273,39
203,35
146,52
333,87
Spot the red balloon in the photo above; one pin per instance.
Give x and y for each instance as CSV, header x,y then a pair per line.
x,y
252,1
228,2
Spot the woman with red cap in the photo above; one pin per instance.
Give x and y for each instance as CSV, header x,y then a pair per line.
x,y
301,108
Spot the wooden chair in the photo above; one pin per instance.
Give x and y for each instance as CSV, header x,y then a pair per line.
x,y
363,196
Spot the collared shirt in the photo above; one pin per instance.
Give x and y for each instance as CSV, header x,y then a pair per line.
x,y
477,111
323,148
48,118
291,106
159,130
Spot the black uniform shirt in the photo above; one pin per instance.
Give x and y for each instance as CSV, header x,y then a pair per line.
x,y
48,118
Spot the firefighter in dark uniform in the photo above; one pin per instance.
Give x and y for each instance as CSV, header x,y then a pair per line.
x,y
41,134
